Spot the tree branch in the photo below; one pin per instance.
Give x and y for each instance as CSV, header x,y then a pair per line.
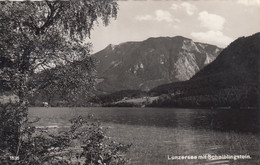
x,y
50,18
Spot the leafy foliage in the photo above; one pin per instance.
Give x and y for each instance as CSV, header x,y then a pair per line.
x,y
84,143
43,45
97,148
57,85
37,36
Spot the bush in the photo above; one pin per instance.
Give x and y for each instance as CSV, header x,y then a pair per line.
x,y
84,143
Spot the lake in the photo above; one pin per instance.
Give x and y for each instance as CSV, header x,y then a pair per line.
x,y
158,134
244,121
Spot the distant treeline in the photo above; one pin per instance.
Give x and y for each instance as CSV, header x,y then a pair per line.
x,y
120,95
122,104
232,97
56,100
220,89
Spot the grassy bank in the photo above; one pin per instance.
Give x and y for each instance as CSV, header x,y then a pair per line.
x,y
152,145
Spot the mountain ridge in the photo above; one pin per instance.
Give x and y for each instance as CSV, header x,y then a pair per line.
x,y
231,80
149,63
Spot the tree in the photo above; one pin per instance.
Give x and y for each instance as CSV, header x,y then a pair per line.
x,y
40,35
44,36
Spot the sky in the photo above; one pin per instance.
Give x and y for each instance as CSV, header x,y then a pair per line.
x,y
217,22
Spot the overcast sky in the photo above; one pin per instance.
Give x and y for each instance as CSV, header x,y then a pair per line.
x,y
217,22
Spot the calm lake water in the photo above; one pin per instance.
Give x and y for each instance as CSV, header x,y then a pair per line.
x,y
230,126
242,121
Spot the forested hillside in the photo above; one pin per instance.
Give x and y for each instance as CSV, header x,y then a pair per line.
x,y
232,80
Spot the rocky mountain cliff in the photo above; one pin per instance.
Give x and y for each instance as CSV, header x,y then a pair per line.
x,y
231,80
147,64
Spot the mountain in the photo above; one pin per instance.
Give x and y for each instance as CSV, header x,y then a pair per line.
x,y
231,80
237,64
147,64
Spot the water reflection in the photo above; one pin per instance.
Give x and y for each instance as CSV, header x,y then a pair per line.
x,y
246,121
